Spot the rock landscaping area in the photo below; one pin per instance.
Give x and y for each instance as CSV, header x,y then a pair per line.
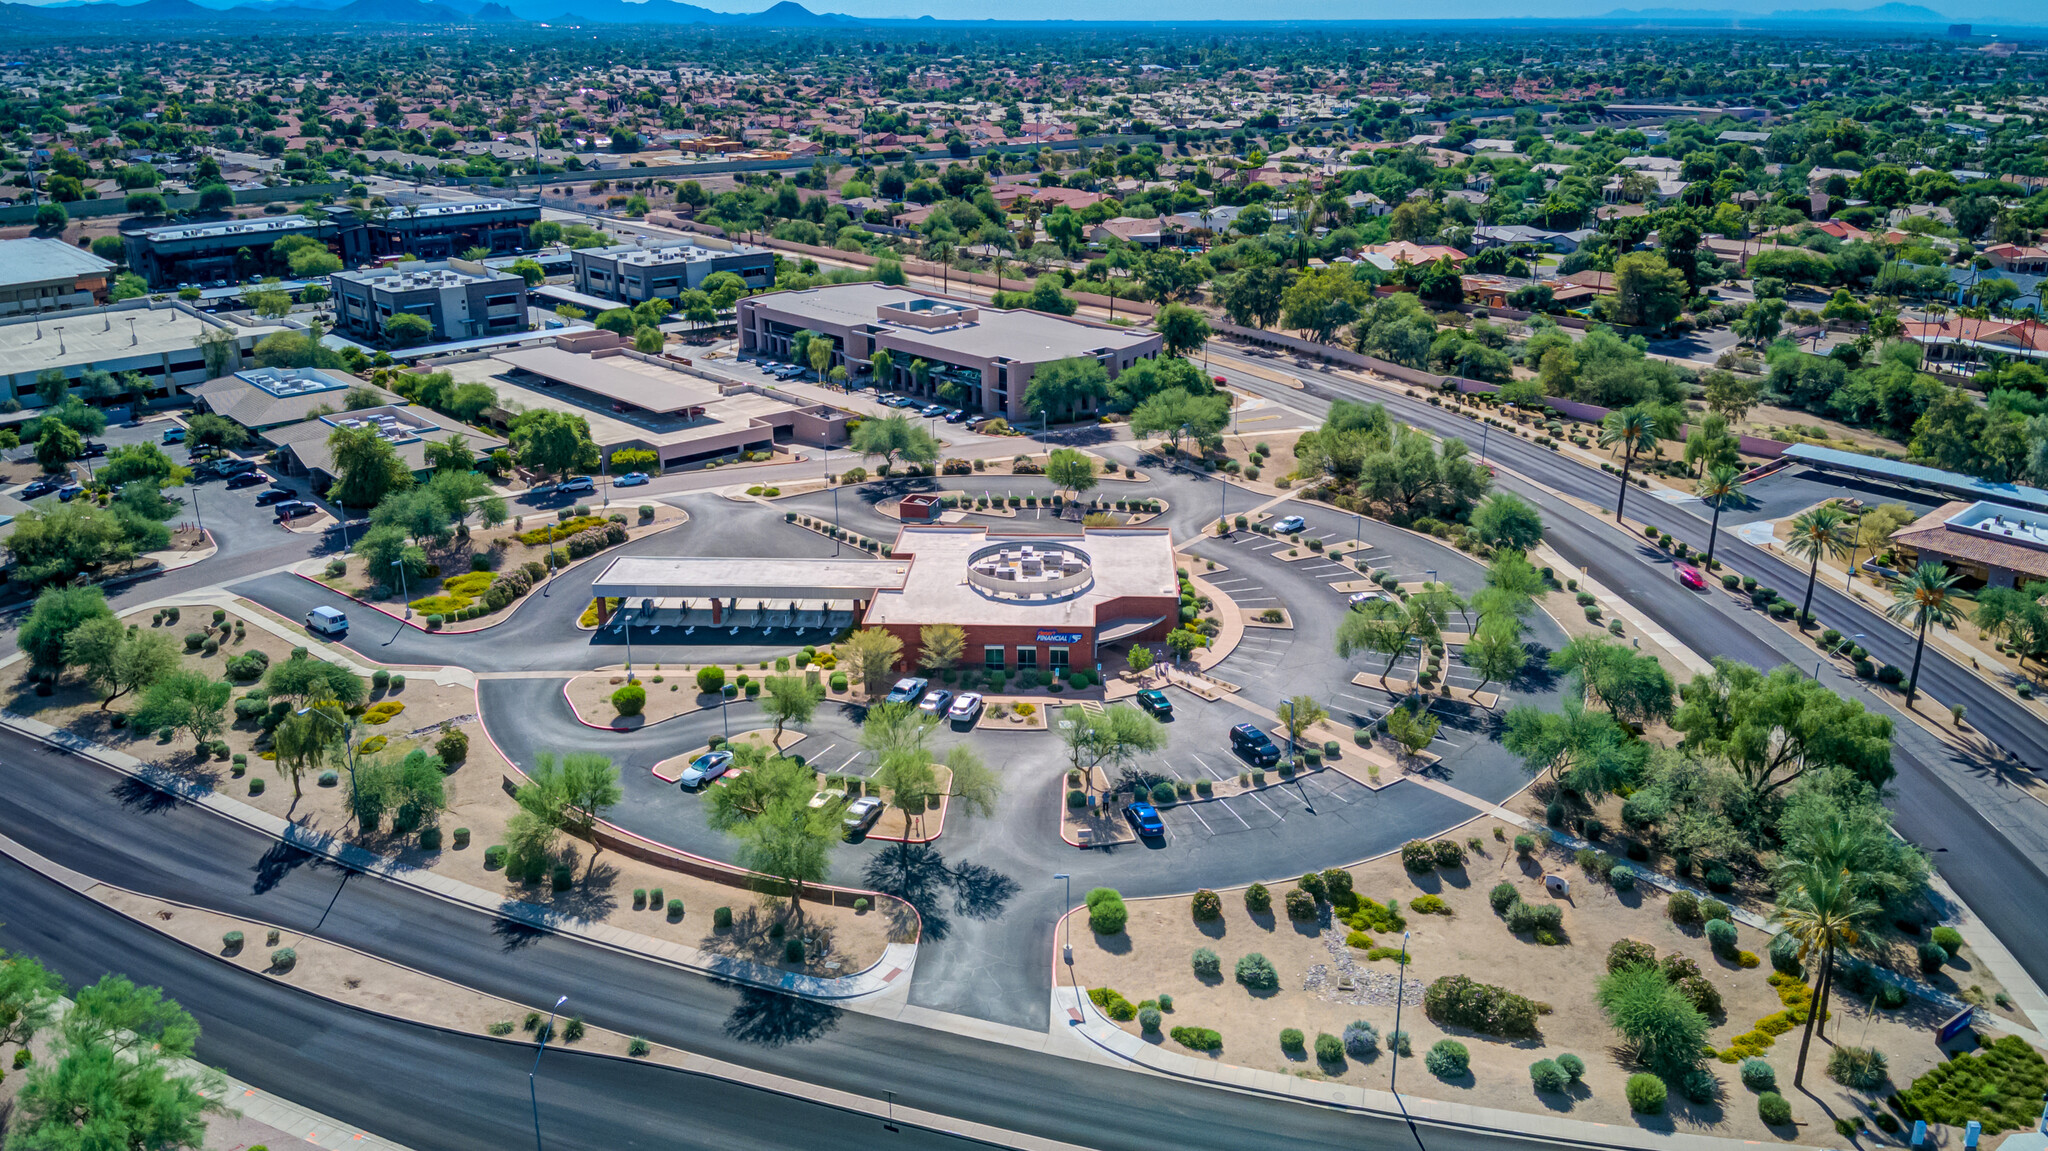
x,y
1301,978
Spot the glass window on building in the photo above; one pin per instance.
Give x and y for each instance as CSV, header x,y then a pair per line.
x,y
1059,659
1027,659
992,657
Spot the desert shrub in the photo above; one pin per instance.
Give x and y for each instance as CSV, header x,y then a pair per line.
x,y
452,746
1337,885
1932,956
1361,1039
1365,915
1448,853
1713,908
1329,1049
1460,1001
1546,1075
1623,877
1106,911
1197,1038
1758,1074
1429,905
1773,1110
1448,1059
1947,938
1572,1066
1721,934
1525,845
1207,906
1113,1004
284,959
1313,884
1659,1026
1257,899
1701,993
1256,972
721,918
1528,918
1683,908
1417,855
1300,904
1784,952
1646,1094
1858,1068
1700,1086
1291,1039
630,700
1207,964
1629,954
1502,897
1148,1020
1677,968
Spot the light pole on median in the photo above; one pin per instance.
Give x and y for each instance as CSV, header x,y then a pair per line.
x,y
402,592
1394,1040
348,750
532,1088
1067,946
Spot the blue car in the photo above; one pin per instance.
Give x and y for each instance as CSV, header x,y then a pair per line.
x,y
1145,818
630,480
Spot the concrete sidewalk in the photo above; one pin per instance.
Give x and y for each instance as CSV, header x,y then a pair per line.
x,y
896,963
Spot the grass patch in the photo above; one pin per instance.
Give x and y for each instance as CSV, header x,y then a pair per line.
x,y
1999,1086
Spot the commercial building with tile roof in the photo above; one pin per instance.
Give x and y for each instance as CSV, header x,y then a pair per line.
x,y
1987,544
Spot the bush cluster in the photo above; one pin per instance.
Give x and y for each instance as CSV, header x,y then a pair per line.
x,y
1207,906
1257,899
1256,972
1535,918
1646,1093
1197,1038
1301,906
1460,1001
1106,911
1207,964
1447,1059
1361,1039
1113,1004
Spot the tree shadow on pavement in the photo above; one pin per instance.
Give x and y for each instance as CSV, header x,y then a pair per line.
x,y
772,1019
515,934
278,862
136,795
917,874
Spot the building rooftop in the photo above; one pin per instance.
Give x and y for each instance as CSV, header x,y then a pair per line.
x,y
408,430
1983,533
415,275
2010,495
826,578
40,258
970,574
664,254
264,398
257,228
441,209
1020,335
615,377
106,335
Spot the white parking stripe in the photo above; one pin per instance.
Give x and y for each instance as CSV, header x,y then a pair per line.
x,y
1267,806
849,762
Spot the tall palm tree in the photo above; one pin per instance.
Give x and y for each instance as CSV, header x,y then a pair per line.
x,y
1924,597
1720,482
1632,429
1822,907
1821,531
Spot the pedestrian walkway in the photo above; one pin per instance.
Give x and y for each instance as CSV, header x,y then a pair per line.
x,y
896,963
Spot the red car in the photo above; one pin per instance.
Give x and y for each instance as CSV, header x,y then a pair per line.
x,y
1691,577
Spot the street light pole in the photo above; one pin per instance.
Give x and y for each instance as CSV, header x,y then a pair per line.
x,y
532,1089
348,750
835,514
403,593
1394,1040
1067,946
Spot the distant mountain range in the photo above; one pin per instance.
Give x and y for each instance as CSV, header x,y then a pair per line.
x,y
1893,13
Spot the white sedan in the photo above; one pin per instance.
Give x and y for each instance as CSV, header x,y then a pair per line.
x,y
966,709
630,480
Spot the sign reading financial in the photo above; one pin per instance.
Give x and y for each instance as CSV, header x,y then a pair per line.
x,y
1045,636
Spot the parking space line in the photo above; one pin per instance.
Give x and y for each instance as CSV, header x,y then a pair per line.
x,y
1225,805
1267,806
847,764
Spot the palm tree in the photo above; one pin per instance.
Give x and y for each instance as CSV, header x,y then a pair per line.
x,y
1821,531
1823,909
1631,429
1924,597
1720,482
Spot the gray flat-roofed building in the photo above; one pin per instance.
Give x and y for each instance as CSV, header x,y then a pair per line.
x,y
42,274
260,399
631,273
436,230
991,353
172,255
156,339
460,299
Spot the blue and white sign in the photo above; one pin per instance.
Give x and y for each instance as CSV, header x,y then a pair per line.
x,y
1045,636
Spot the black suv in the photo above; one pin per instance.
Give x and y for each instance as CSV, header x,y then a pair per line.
x,y
1254,745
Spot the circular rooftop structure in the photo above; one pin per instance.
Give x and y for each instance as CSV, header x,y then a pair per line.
x,y
1022,571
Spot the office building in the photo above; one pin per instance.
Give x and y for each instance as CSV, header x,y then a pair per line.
x,y
41,274
631,273
459,299
160,340
988,354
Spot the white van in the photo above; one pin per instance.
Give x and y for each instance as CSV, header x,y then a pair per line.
x,y
326,621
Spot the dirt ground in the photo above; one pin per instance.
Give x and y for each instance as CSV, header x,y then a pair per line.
x,y
671,691
843,941
1152,956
